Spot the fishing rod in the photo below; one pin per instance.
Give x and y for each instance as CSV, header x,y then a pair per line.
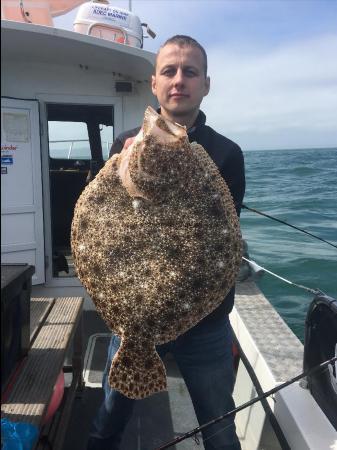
x,y
258,269
304,374
289,225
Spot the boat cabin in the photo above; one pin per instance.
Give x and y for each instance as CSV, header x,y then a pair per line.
x,y
65,97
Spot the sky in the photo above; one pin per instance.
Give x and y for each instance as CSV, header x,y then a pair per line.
x,y
272,64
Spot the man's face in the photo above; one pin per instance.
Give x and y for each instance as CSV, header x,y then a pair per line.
x,y
180,82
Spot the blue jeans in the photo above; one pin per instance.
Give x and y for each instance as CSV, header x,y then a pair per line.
x,y
204,357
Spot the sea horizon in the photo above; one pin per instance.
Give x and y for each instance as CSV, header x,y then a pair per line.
x,y
287,149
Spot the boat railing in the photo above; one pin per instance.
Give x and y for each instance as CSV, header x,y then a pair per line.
x,y
105,147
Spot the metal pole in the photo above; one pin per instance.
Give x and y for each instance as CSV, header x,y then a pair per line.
x,y
130,5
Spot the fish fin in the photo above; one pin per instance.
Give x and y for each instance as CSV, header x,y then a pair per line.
x,y
137,370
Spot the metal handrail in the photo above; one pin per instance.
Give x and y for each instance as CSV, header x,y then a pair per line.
x,y
69,140
72,141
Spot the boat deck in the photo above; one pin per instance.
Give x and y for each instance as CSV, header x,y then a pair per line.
x,y
276,343
165,416
274,352
155,421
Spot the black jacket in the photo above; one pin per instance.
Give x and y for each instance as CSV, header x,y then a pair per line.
x,y
229,158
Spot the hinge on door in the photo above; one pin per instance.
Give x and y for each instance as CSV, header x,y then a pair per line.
x,y
41,129
46,262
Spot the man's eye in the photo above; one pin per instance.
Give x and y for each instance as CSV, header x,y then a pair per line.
x,y
190,73
168,72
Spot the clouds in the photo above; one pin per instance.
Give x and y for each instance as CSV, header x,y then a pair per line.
x,y
286,97
272,65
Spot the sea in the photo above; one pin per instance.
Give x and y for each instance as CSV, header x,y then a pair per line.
x,y
298,186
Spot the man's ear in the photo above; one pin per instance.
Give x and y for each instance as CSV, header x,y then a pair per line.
x,y
153,85
207,85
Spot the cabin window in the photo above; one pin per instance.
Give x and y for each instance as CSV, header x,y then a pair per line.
x,y
80,137
70,140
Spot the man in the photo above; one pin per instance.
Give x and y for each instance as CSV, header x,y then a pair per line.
x,y
204,353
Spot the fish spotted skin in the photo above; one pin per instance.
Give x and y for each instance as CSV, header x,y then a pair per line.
x,y
157,244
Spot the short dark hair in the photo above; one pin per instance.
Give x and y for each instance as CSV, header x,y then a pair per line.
x,y
185,41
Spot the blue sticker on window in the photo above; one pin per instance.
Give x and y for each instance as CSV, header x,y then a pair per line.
x,y
7,160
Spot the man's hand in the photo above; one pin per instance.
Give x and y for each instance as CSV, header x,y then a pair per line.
x,y
128,142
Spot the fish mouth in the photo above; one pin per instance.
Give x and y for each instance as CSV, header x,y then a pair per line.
x,y
165,130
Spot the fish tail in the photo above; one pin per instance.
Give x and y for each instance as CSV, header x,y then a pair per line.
x,y
137,370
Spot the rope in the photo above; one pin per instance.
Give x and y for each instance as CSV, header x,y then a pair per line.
x,y
304,374
312,291
289,225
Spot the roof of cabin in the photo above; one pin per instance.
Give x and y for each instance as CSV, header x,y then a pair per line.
x,y
30,42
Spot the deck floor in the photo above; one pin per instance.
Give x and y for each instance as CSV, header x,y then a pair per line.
x,y
155,421
165,416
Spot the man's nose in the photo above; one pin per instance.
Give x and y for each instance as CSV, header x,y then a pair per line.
x,y
178,78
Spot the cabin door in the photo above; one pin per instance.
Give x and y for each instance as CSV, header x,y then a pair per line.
x,y
22,235
80,137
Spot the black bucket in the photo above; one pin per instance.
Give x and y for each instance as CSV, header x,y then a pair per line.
x,y
321,345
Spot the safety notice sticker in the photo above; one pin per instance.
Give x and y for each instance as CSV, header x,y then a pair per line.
x,y
16,127
3,170
7,160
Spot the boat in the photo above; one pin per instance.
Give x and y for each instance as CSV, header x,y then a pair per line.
x,y
65,96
